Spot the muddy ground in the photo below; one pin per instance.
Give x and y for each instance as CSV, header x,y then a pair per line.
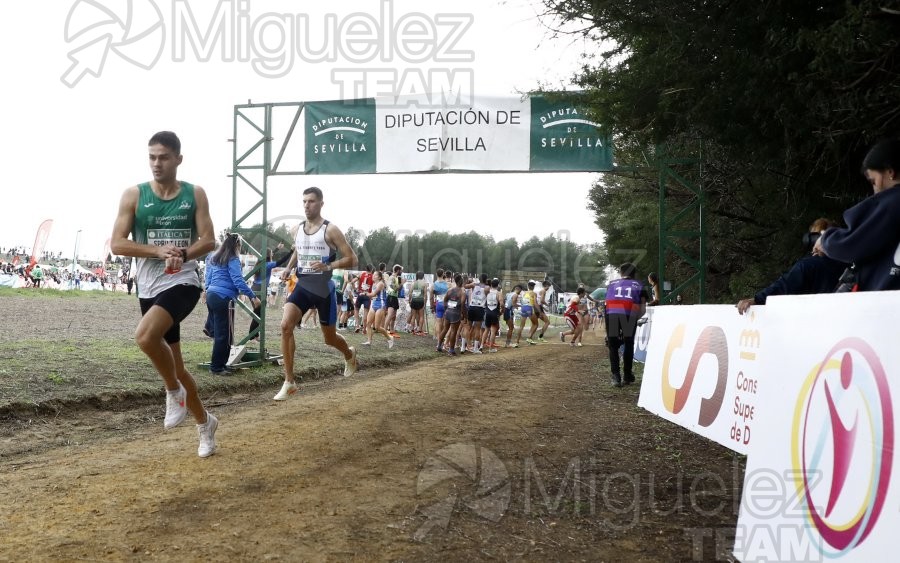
x,y
525,455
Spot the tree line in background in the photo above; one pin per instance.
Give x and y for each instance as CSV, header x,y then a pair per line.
x,y
565,263
780,99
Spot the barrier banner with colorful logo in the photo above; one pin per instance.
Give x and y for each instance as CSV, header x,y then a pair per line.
x,y
703,371
818,484
494,134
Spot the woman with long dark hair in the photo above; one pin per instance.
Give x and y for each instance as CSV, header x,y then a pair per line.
x,y
224,282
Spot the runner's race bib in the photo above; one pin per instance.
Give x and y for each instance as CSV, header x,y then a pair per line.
x,y
451,304
305,262
179,238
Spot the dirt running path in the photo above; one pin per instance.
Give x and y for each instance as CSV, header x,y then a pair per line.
x,y
526,454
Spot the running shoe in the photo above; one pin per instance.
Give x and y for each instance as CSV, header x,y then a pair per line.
x,y
530,341
562,337
452,352
390,342
493,350
579,345
351,365
287,389
207,436
176,407
541,339
476,351
516,345
366,343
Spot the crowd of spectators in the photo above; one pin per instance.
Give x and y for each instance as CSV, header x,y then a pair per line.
x,y
56,270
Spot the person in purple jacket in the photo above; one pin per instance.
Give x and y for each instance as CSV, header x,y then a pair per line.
x,y
871,239
224,282
626,301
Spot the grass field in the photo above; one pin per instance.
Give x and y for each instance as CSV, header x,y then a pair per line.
x,y
61,348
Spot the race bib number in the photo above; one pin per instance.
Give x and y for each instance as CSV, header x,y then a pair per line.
x,y
305,262
451,304
416,293
179,238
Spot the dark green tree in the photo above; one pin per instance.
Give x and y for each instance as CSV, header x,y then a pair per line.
x,y
783,99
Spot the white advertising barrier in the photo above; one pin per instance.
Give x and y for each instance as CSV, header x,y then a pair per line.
x,y
11,281
642,336
702,371
818,484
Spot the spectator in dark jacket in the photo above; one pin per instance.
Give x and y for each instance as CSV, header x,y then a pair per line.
x,y
871,239
810,274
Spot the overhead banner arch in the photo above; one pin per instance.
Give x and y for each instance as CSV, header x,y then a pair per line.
x,y
551,132
494,134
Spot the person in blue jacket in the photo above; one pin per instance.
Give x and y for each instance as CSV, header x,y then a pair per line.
x,y
224,282
871,239
271,264
810,274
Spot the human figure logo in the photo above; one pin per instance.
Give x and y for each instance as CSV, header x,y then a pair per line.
x,y
473,477
842,445
133,29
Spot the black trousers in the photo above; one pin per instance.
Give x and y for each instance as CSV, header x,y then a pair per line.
x,y
614,343
621,330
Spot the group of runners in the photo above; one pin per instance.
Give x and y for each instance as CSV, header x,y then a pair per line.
x,y
166,225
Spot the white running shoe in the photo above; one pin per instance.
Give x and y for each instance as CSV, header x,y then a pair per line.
x,y
562,337
390,342
287,389
351,365
176,407
207,436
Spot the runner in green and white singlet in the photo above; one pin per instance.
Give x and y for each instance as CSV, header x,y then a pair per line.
x,y
169,225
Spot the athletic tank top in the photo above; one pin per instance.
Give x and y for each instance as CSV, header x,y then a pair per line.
x,y
380,299
509,298
365,282
337,276
528,298
440,288
454,298
417,292
573,307
313,248
492,300
476,296
392,285
162,222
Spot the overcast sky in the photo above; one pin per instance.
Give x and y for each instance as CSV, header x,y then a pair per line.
x,y
74,141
